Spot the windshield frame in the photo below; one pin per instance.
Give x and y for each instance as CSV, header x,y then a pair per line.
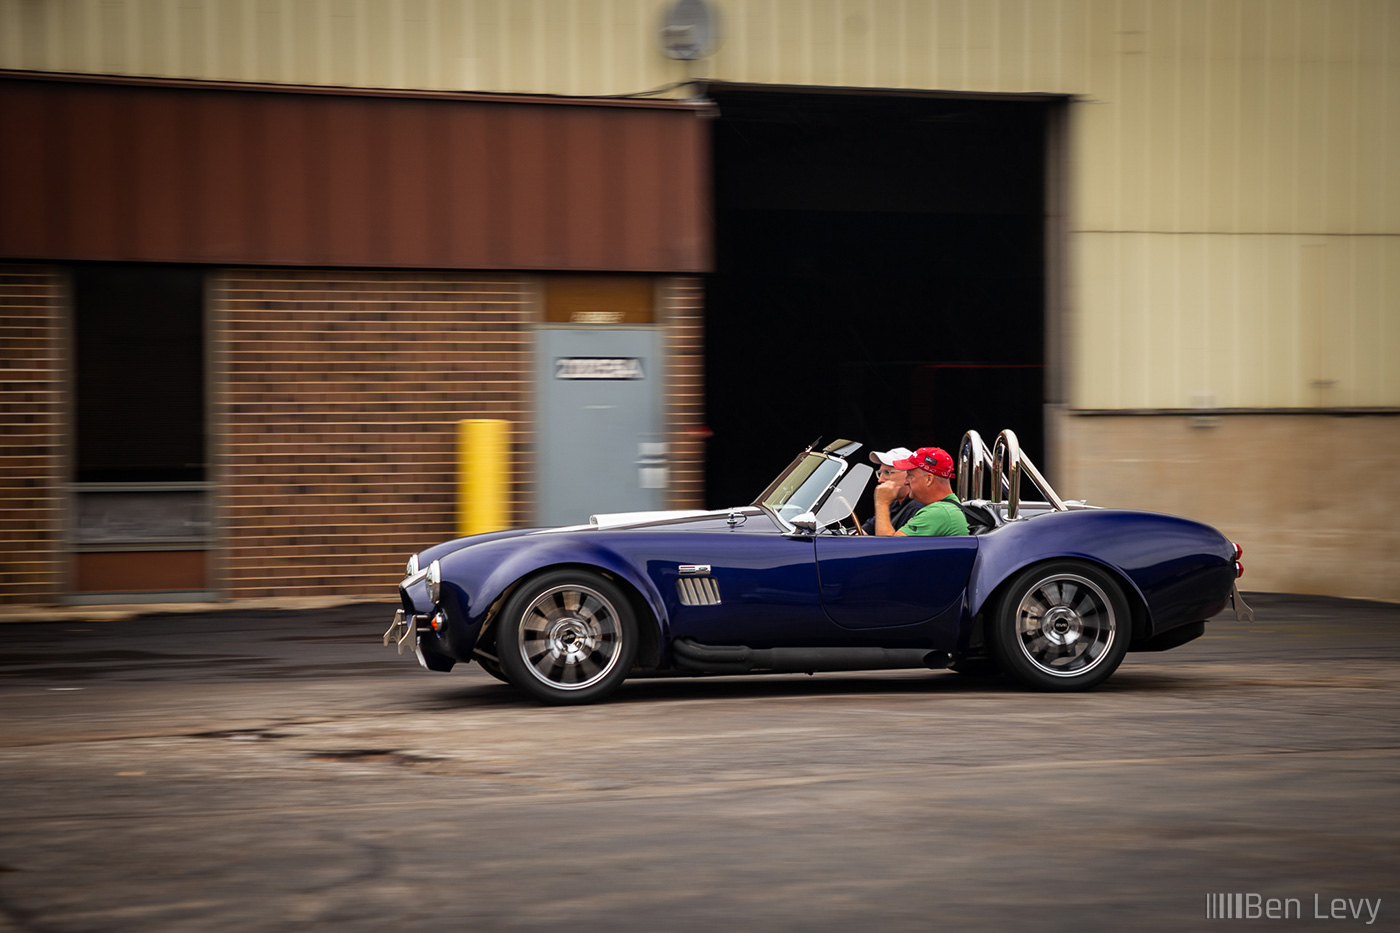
x,y
804,484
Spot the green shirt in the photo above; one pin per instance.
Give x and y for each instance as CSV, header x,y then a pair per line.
x,y
943,517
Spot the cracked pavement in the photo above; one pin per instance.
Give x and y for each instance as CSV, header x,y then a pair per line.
x,y
282,771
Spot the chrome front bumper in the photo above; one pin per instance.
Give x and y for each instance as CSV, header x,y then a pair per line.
x,y
404,629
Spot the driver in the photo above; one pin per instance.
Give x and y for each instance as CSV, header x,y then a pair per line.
x,y
929,472
903,506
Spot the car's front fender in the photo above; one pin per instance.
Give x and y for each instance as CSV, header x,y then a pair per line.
x,y
476,577
439,551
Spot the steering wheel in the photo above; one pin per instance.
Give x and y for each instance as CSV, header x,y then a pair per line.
x,y
846,525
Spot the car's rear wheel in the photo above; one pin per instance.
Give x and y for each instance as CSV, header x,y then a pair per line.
x,y
1061,626
567,637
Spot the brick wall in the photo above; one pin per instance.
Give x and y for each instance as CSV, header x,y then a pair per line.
x,y
682,311
31,434
339,395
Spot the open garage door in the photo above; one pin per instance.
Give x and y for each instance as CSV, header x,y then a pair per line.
x,y
881,274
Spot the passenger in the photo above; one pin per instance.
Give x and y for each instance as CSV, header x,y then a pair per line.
x,y
903,506
929,472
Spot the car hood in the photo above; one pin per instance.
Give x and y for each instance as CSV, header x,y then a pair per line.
x,y
696,519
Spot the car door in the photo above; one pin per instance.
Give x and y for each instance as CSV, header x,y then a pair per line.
x,y
873,582
738,588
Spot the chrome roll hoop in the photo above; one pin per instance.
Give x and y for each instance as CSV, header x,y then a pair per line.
x,y
972,461
1007,464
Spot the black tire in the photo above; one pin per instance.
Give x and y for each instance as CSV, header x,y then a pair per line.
x,y
494,669
1061,626
567,637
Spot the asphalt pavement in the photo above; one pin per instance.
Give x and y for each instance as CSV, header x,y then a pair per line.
x,y
275,770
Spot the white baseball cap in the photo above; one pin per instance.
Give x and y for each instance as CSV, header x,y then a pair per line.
x,y
888,457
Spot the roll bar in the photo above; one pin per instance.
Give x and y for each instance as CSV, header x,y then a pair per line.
x,y
1007,463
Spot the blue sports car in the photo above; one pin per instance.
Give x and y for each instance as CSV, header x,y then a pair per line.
x,y
1050,593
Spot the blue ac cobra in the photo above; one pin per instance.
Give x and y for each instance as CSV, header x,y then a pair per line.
x,y
1050,593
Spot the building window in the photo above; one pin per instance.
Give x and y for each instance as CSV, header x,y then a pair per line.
x,y
138,342
141,519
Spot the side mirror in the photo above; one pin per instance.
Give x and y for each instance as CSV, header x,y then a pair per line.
x,y
805,524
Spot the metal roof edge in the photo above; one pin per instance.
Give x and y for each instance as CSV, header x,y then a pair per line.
x,y
256,87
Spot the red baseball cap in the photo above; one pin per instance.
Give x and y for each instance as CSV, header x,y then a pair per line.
x,y
933,460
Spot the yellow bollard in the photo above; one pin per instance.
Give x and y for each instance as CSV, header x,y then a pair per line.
x,y
482,459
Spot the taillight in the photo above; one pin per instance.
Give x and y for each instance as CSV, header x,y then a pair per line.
x,y
1239,567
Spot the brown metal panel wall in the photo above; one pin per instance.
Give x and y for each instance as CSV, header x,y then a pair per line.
x,y
341,139
412,225
22,153
94,140
582,186
221,208
641,187
284,161
155,221
150,171
470,184
528,187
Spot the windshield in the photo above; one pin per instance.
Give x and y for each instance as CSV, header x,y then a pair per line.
x,y
841,504
801,486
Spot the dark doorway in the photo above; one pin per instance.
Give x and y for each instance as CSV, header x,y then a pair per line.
x,y
880,275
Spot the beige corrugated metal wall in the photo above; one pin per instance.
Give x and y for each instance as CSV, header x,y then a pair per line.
x,y
1237,210
556,46
1234,203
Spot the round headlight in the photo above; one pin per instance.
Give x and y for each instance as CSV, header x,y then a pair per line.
x,y
412,566
434,581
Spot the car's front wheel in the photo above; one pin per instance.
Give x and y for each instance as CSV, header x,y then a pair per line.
x,y
1061,626
567,637
493,668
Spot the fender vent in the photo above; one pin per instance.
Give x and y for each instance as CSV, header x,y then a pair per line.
x,y
698,591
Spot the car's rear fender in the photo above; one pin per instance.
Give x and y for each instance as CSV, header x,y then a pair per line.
x,y
975,634
1170,567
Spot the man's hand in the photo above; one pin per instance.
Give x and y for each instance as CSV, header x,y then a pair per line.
x,y
885,493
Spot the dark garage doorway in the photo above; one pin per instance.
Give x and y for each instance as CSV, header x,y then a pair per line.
x,y
880,274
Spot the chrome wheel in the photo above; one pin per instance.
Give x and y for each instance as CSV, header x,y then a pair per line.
x,y
570,637
1065,625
